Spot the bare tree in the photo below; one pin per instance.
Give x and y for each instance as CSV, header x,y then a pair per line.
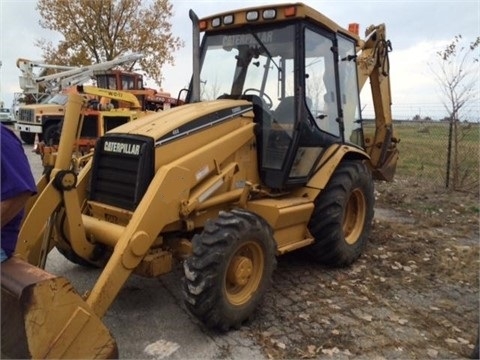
x,y
457,73
101,30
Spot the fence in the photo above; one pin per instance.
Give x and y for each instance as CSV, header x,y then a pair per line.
x,y
424,153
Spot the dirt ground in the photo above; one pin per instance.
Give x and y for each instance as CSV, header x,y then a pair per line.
x,y
414,293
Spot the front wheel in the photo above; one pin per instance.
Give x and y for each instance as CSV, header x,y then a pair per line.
x,y
27,137
230,269
51,135
343,214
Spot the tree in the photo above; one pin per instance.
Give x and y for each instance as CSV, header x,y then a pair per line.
x,y
457,73
100,30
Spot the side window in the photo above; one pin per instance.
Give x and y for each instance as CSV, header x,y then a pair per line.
x,y
128,83
349,90
112,83
320,85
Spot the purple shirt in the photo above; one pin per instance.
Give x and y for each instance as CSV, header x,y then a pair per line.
x,y
17,178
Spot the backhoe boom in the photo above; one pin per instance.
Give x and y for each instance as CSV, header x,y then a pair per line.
x,y
374,64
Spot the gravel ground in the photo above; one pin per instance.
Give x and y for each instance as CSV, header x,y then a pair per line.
x,y
413,294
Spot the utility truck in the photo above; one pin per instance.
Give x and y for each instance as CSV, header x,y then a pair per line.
x,y
44,119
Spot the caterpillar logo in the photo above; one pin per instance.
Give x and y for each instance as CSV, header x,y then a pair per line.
x,y
121,148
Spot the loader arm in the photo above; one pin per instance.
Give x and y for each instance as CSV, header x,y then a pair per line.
x,y
373,63
43,317
55,190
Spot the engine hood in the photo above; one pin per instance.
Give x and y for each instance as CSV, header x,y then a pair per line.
x,y
45,108
174,123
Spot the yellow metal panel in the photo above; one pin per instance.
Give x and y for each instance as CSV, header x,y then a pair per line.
x,y
302,12
157,124
327,165
288,217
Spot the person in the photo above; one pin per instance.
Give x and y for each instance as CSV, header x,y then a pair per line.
x,y
17,185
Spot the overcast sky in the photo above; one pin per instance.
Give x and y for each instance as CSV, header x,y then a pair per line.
x,y
417,29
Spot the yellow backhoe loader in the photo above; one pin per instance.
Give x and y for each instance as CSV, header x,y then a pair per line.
x,y
267,156
100,115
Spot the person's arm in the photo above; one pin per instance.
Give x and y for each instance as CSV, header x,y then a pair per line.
x,y
12,206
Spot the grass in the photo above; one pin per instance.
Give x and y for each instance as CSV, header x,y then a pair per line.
x,y
424,150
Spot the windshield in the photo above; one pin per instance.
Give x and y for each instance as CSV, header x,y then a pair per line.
x,y
257,63
59,99
5,110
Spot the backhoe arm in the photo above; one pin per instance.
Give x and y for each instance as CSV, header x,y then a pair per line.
x,y
373,63
111,94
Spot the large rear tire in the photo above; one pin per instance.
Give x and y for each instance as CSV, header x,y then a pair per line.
x,y
343,214
230,269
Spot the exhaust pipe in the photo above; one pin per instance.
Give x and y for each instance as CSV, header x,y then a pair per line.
x,y
196,56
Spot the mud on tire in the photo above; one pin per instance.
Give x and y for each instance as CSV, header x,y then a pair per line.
x,y
342,217
230,269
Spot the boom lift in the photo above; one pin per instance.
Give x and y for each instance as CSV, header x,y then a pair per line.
x,y
98,118
151,99
69,76
267,157
44,119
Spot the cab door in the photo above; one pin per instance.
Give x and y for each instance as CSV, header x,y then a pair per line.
x,y
309,121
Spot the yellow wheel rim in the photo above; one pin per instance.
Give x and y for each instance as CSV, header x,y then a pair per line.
x,y
354,216
244,273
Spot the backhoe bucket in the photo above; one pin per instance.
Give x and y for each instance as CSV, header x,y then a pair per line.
x,y
43,317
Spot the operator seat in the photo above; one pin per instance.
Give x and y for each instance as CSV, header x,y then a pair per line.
x,y
285,111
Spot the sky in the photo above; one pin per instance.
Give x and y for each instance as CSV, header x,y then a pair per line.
x,y
416,29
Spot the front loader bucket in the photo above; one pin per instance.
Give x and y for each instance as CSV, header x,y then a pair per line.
x,y
43,317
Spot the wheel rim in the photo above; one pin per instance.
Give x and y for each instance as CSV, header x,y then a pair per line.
x,y
354,217
244,273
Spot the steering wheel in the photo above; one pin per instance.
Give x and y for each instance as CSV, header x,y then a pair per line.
x,y
266,99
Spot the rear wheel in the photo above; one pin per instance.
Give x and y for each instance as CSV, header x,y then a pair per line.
x,y
27,138
230,269
343,214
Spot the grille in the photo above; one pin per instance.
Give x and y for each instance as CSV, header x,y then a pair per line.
x,y
27,115
123,168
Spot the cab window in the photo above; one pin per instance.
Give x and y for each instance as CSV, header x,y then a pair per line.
x,y
320,87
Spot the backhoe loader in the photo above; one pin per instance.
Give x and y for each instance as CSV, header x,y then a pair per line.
x,y
267,156
98,116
